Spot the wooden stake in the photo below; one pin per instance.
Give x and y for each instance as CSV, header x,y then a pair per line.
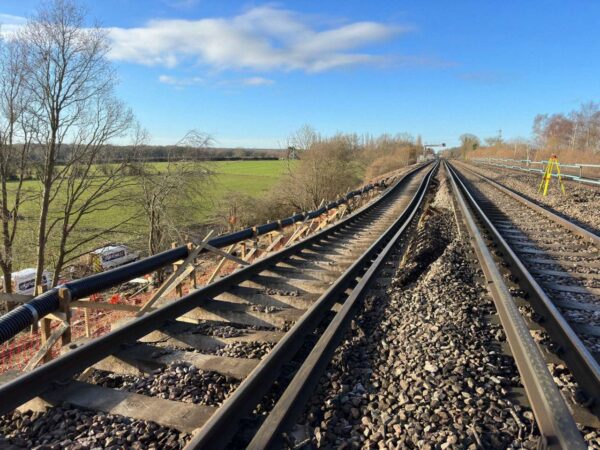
x,y
45,326
179,274
45,350
45,332
86,317
220,265
64,297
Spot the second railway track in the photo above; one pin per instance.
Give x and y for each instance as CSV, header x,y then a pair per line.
x,y
557,260
552,268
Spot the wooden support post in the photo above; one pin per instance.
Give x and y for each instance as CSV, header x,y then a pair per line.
x,y
344,210
178,287
273,244
46,349
220,265
180,273
86,317
298,229
64,298
226,255
45,325
254,248
45,332
193,282
192,276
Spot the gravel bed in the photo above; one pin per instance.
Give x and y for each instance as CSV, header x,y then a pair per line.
x,y
591,342
225,330
265,308
253,350
178,381
422,367
582,316
581,202
76,429
570,279
575,269
250,424
282,292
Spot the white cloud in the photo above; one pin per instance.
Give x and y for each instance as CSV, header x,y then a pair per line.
x,y
13,20
262,38
257,81
9,23
180,82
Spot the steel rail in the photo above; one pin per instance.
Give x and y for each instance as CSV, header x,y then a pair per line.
x,y
551,411
25,315
579,231
220,428
43,378
307,377
579,359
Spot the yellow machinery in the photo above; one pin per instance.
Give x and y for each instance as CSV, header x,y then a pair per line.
x,y
552,163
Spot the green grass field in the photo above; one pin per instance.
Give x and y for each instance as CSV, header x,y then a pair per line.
x,y
248,177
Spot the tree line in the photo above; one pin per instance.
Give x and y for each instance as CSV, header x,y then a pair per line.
x,y
324,168
573,136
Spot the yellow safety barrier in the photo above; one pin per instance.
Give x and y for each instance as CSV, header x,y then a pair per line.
x,y
552,163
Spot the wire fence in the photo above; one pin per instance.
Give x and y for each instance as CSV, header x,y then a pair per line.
x,y
15,354
581,173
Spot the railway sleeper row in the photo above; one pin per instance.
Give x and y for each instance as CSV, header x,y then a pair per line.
x,y
258,310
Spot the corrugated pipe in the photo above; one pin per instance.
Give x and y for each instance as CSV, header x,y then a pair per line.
x,y
25,315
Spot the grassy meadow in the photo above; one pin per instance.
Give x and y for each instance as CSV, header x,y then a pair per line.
x,y
248,177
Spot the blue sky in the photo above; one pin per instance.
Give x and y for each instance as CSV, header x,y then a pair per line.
x,y
250,73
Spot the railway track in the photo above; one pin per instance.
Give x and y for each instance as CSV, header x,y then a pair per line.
x,y
234,363
175,366
550,268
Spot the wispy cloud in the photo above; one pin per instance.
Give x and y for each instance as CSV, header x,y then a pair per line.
x,y
262,38
9,23
183,82
257,81
180,82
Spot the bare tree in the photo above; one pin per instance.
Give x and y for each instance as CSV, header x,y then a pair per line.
x,y
195,139
325,171
71,83
15,140
469,142
91,182
303,138
170,192
586,129
387,153
579,130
